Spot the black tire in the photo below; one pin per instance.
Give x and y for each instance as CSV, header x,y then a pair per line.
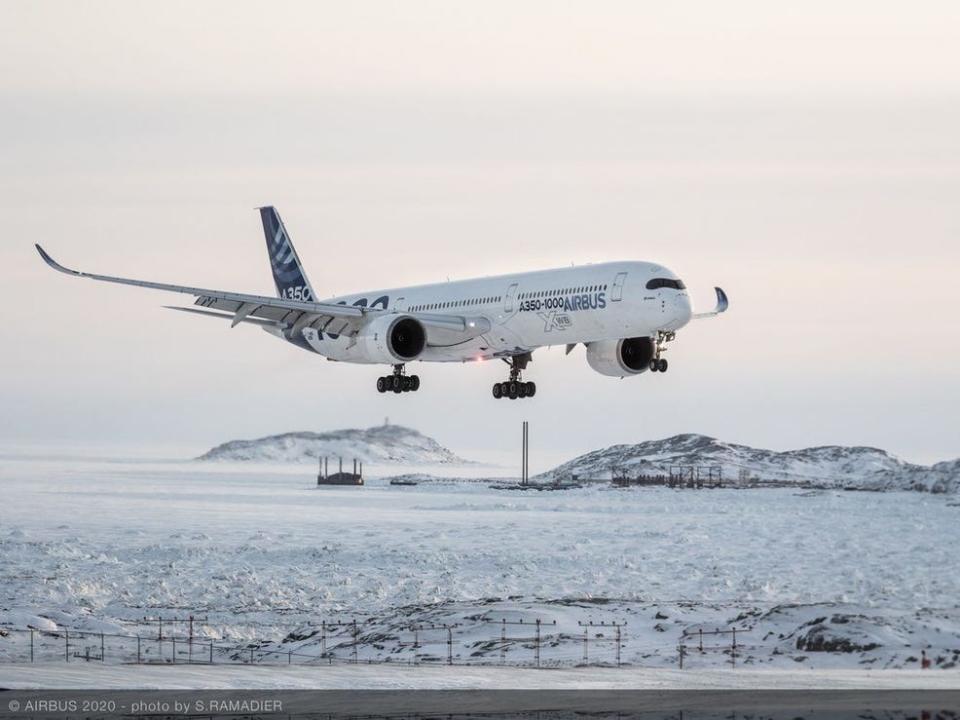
x,y
521,390
414,383
497,391
662,365
531,389
654,365
395,380
405,384
513,391
505,389
382,384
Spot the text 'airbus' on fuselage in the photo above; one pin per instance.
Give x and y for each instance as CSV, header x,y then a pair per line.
x,y
623,312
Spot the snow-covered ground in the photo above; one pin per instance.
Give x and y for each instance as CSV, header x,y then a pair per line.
x,y
389,677
264,556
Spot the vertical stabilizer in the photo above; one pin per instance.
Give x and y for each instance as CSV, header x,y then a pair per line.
x,y
288,274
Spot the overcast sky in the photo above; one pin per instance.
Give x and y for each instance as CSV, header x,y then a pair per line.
x,y
804,156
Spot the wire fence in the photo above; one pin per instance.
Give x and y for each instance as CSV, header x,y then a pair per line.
x,y
489,641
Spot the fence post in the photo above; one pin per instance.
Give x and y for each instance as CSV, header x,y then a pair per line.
x,y
701,639
503,640
103,654
681,655
173,652
138,649
289,657
586,639
323,638
66,639
211,652
449,645
31,644
618,646
356,636
537,644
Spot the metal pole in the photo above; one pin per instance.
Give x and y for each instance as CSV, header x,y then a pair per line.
x,y
66,638
537,644
211,652
701,639
31,644
138,649
618,646
103,655
585,640
356,635
449,645
503,640
173,651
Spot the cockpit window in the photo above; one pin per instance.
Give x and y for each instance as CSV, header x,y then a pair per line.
x,y
657,283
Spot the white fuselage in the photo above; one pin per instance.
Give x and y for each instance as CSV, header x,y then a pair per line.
x,y
527,310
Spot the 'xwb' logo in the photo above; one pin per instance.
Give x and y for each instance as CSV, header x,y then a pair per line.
x,y
553,320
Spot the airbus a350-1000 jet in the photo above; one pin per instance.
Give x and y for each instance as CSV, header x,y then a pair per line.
x,y
623,312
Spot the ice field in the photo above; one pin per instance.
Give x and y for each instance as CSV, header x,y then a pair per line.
x,y
263,555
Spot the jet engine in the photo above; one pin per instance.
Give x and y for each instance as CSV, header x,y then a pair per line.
x,y
617,358
392,339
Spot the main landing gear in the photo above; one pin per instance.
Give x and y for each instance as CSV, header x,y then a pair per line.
x,y
398,382
514,387
659,364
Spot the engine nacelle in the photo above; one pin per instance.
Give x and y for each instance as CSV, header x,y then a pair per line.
x,y
392,339
617,358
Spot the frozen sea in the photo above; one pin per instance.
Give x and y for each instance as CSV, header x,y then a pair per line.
x,y
258,552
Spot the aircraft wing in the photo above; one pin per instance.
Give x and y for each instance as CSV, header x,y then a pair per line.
x,y
296,314
722,304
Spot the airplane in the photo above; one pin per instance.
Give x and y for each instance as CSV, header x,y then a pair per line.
x,y
624,313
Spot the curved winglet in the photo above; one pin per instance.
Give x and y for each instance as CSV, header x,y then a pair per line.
x,y
53,263
723,302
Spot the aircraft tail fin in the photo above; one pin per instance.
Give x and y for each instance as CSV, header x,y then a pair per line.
x,y
288,274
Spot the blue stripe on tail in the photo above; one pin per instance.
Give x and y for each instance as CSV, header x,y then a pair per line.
x,y
288,273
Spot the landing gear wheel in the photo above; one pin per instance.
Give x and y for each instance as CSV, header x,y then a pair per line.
x,y
512,390
405,384
531,389
397,383
497,391
521,390
662,365
414,383
654,365
382,384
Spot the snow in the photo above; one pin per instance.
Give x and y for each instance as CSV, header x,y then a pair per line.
x,y
380,444
831,466
390,677
263,555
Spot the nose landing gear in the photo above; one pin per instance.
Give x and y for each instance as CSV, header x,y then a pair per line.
x,y
659,364
515,387
398,382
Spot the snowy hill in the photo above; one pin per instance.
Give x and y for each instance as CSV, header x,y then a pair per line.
x,y
830,466
382,444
